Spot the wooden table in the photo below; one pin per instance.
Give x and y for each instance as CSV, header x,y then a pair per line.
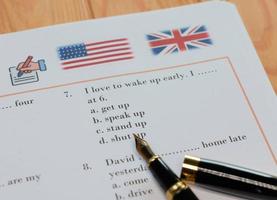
x,y
260,18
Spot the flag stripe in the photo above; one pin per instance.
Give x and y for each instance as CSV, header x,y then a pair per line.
x,y
159,35
105,42
96,58
199,43
107,46
192,30
108,51
99,62
170,49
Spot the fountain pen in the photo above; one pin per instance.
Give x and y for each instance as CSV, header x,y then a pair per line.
x,y
168,180
229,179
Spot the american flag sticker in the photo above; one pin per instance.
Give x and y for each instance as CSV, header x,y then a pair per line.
x,y
179,40
90,54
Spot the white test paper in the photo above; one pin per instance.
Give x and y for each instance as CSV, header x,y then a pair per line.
x,y
69,135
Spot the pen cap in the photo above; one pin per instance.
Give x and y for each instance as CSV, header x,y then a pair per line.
x,y
227,178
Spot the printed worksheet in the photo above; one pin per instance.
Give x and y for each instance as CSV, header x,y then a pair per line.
x,y
186,79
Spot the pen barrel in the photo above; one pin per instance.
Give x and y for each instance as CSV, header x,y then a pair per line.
x,y
230,179
175,189
27,61
184,194
163,174
25,64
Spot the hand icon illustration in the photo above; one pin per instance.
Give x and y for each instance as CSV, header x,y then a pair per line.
x,y
33,66
27,71
29,66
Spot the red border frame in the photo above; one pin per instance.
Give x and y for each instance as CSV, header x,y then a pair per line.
x,y
161,69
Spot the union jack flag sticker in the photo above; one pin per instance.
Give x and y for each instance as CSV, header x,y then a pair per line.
x,y
179,40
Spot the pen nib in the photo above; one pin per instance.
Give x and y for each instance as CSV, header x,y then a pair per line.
x,y
139,142
143,148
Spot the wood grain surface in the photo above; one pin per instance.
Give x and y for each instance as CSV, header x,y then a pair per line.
x,y
259,16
